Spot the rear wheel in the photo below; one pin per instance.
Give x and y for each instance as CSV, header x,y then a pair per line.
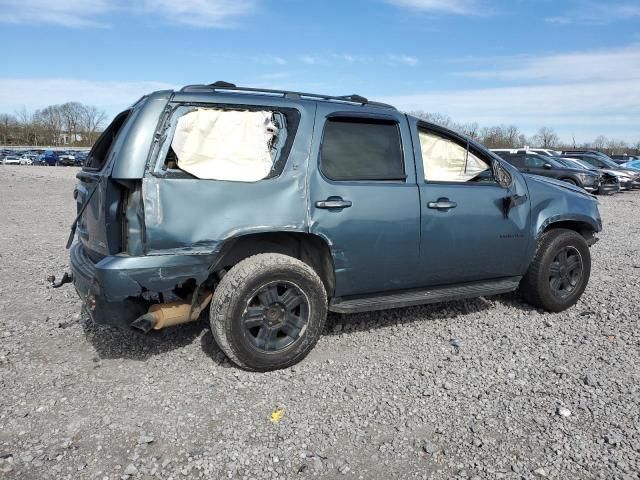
x,y
268,312
559,272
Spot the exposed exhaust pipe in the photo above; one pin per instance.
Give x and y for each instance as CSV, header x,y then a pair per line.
x,y
161,315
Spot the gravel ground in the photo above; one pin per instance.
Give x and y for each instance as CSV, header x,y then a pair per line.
x,y
487,388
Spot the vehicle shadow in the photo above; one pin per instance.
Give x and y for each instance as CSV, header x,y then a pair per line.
x,y
113,343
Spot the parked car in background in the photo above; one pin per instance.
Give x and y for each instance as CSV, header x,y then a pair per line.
x,y
523,150
631,177
81,158
634,164
609,180
11,160
620,159
26,160
290,237
49,157
66,159
545,152
546,166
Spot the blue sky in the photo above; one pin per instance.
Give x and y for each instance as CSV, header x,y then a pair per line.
x,y
572,65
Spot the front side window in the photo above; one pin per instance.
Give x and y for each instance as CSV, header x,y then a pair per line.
x,y
447,161
361,149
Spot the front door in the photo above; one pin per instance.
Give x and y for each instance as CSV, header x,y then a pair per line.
x,y
467,232
363,198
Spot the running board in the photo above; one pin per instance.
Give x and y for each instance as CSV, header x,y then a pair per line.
x,y
423,296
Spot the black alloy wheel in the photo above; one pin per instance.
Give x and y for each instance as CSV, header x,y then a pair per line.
x,y
565,272
276,316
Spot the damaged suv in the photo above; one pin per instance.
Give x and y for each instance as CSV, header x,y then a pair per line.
x,y
271,208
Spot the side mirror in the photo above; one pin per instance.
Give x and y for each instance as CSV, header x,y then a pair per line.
x,y
502,176
547,166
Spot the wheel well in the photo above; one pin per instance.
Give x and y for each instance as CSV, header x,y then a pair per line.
x,y
583,228
311,249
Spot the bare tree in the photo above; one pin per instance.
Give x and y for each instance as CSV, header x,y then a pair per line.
x,y
471,130
51,121
8,126
72,115
93,120
546,138
437,118
599,143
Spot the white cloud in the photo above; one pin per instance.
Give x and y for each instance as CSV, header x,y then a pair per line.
x,y
199,13
589,12
93,13
611,108
34,94
405,59
69,13
586,93
458,7
607,64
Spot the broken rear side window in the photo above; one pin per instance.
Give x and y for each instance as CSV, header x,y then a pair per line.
x,y
98,154
232,144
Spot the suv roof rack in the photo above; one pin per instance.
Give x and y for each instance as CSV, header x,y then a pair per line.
x,y
226,86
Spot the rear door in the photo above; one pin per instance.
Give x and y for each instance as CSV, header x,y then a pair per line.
x,y
467,234
363,198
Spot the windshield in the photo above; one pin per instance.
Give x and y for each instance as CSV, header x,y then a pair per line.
x,y
607,161
554,162
577,163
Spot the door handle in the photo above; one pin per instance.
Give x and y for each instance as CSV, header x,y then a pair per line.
x,y
333,202
442,204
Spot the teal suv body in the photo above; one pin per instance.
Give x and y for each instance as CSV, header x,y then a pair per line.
x,y
271,208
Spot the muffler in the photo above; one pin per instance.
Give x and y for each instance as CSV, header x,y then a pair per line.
x,y
161,315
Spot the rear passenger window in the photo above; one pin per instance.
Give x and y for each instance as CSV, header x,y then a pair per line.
x,y
237,143
357,149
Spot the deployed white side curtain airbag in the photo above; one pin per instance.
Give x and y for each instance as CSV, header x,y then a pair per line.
x,y
225,145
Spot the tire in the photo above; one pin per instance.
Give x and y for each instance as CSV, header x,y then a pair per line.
x,y
570,181
551,282
250,314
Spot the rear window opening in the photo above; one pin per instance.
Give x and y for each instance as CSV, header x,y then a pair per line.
x,y
229,143
98,154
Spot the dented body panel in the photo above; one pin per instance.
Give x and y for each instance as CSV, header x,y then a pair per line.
x,y
570,204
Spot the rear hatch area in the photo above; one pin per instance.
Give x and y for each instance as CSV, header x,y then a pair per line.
x,y
99,199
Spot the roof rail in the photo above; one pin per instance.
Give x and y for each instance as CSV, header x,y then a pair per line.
x,y
226,86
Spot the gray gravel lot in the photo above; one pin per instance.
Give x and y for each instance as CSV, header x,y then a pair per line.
x,y
487,388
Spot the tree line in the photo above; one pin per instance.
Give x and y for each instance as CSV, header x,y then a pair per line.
x,y
70,124
510,136
77,124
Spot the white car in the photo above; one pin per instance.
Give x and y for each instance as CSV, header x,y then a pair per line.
x,y
26,160
11,160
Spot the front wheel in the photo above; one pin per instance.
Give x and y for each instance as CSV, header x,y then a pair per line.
x,y
268,312
559,272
